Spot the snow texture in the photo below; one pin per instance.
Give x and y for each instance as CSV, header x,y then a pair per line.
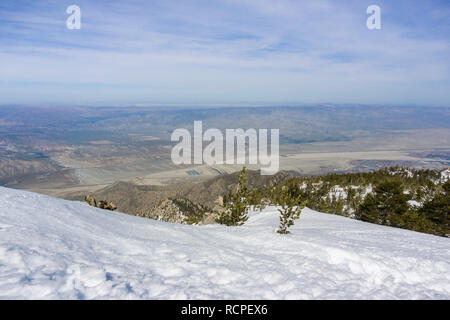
x,y
414,203
445,175
56,249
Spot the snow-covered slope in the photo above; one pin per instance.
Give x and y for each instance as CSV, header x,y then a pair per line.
x,y
51,248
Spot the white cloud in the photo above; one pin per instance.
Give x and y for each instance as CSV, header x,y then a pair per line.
x,y
262,52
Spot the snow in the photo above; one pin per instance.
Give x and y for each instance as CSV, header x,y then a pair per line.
x,y
56,249
338,192
445,175
367,190
402,171
414,203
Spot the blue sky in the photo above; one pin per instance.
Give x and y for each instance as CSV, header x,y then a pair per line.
x,y
229,52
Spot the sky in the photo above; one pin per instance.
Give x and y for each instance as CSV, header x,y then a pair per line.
x,y
225,52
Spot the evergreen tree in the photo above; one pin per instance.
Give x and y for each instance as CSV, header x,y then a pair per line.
x,y
416,221
385,205
290,210
438,209
236,204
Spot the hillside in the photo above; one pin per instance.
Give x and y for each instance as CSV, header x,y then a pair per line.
x,y
54,248
143,200
417,200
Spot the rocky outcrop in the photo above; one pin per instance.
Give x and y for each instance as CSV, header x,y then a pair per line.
x,y
166,211
90,200
177,211
184,203
107,205
102,204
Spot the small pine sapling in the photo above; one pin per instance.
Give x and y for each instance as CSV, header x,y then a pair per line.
x,y
291,208
236,204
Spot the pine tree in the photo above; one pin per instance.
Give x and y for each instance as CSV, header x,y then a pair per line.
x,y
437,210
290,210
386,205
236,204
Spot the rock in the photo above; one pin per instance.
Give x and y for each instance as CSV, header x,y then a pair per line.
x,y
101,204
90,200
166,211
219,201
209,219
176,211
107,205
